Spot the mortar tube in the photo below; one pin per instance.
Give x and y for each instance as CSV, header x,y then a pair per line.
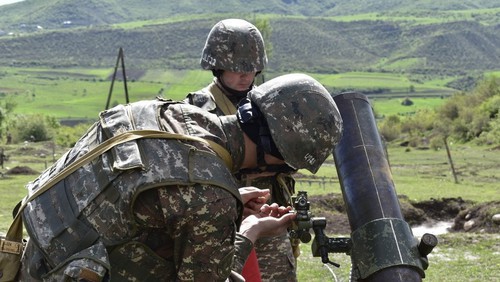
x,y
370,197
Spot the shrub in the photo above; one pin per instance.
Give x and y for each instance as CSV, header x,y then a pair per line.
x,y
33,128
436,143
390,128
68,135
492,136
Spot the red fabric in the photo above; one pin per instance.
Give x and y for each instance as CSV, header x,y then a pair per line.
x,y
251,271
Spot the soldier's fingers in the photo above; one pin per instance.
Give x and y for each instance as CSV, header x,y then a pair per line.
x,y
249,193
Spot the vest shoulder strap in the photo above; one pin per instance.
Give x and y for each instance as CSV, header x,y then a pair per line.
x,y
224,104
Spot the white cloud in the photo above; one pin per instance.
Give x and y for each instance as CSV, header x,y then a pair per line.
x,y
5,2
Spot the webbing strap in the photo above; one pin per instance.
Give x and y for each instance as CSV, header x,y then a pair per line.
x,y
221,100
16,227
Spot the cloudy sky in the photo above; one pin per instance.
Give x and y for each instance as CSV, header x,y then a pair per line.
x,y
3,2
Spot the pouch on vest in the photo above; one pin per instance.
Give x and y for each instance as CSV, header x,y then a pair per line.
x,y
134,261
94,199
10,259
91,264
11,249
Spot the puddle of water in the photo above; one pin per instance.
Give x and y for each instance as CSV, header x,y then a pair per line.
x,y
436,228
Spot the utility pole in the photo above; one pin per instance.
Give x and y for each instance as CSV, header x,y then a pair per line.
x,y
118,60
450,159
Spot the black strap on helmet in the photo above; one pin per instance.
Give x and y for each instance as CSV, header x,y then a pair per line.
x,y
282,168
254,124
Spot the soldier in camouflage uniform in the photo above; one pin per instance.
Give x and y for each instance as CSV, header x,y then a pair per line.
x,y
148,193
235,53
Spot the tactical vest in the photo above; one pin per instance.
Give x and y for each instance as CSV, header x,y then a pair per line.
x,y
75,224
212,99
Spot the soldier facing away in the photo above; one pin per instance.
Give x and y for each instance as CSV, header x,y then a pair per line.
x,y
162,204
235,53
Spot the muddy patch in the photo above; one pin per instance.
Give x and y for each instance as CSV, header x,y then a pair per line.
x,y
435,215
21,170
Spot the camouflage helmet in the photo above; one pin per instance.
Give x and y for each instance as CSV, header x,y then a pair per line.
x,y
303,119
234,45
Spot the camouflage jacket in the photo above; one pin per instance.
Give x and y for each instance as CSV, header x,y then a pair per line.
x,y
88,212
213,99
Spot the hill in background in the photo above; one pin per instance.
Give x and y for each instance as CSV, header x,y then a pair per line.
x,y
421,38
53,13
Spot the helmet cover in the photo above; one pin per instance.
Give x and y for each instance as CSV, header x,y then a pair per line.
x,y
234,45
303,118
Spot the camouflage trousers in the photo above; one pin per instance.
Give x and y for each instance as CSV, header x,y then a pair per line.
x,y
276,260
193,228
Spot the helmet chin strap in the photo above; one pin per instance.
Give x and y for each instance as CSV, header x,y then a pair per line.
x,y
255,126
235,95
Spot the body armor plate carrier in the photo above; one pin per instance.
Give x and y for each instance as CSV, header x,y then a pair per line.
x,y
84,216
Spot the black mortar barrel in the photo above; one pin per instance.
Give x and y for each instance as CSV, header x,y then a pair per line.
x,y
370,197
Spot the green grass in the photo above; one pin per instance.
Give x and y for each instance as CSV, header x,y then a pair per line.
x,y
457,257
13,191
365,80
191,81
311,268
440,81
392,84
493,73
83,93
392,106
476,169
425,174
416,17
406,18
174,19
422,175
418,174
33,155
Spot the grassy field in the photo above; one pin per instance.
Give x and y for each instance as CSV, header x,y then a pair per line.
x,y
458,257
82,93
419,174
483,16
392,106
423,175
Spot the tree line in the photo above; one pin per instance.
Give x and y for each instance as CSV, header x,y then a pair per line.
x,y
467,116
471,116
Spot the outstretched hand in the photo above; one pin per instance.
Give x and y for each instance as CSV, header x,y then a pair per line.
x,y
272,220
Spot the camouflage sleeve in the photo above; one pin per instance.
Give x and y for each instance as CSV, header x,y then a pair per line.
x,y
202,99
243,247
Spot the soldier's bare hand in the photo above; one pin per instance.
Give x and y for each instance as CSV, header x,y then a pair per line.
x,y
274,210
271,221
253,199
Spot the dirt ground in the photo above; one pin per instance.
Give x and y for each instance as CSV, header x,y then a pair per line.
x,y
466,215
